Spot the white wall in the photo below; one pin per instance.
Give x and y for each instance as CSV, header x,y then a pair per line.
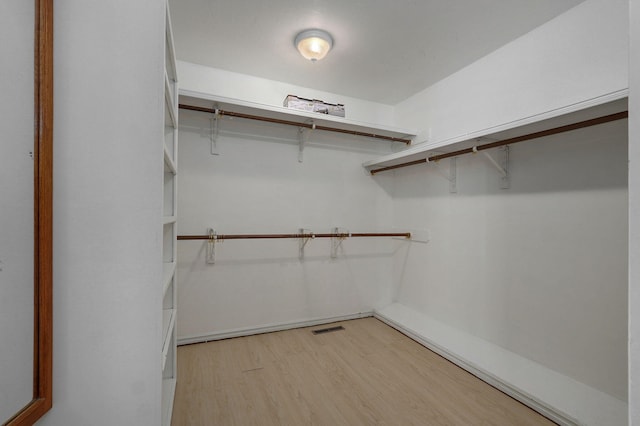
x,y
16,207
107,207
204,79
567,207
539,269
257,185
634,215
107,200
580,55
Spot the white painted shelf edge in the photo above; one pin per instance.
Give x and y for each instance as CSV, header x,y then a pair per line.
x,y
168,392
168,161
168,270
553,117
166,220
168,322
279,112
173,68
170,100
559,397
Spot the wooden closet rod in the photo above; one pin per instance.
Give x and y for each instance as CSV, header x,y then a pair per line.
x,y
535,135
293,123
307,235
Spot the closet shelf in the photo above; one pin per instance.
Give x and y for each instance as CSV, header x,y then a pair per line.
x,y
168,270
271,112
166,220
169,98
588,110
170,63
168,322
170,165
168,393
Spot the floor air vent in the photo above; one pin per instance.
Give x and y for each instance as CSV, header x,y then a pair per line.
x,y
327,330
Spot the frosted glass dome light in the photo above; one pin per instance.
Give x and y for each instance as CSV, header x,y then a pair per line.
x,y
313,44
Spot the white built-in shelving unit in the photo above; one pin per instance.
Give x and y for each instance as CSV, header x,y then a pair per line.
x,y
169,227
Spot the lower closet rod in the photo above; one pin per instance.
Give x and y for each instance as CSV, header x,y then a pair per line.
x,y
307,235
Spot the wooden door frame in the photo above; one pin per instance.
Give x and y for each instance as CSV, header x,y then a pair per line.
x,y
43,224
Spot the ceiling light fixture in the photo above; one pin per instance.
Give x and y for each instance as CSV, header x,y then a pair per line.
x,y
313,44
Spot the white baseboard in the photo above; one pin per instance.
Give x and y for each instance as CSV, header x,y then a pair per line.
x,y
558,397
248,331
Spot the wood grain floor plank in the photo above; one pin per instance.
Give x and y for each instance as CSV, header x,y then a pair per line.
x,y
366,374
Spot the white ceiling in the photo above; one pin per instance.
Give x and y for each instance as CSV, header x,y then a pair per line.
x,y
384,50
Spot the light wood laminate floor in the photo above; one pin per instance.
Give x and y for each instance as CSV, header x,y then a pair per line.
x,y
366,374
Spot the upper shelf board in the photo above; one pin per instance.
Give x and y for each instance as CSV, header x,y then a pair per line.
x,y
270,111
610,104
170,52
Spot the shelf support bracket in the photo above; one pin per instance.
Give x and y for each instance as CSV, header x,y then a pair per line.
x,y
303,137
502,166
451,177
211,246
505,181
305,236
339,235
214,132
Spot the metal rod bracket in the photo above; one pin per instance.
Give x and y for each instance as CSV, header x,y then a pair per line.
x,y
214,132
502,167
303,136
451,177
305,236
339,235
505,181
211,246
